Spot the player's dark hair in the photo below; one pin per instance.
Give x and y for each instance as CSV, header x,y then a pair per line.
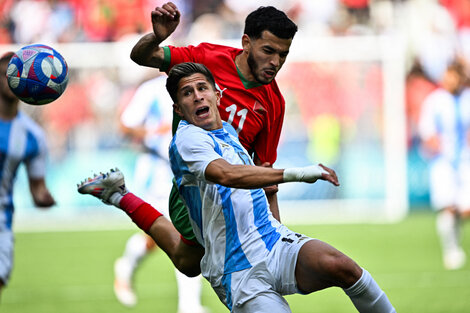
x,y
6,57
183,70
271,19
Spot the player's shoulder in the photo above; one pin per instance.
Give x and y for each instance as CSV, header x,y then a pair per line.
x,y
29,124
229,128
186,130
437,96
218,49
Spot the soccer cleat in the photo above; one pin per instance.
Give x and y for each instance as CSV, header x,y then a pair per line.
x,y
454,259
104,185
123,283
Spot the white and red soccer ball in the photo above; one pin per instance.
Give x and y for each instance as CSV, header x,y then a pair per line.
x,y
37,74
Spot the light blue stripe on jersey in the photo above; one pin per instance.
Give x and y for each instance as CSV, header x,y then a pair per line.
x,y
235,259
180,169
18,144
260,208
459,129
227,284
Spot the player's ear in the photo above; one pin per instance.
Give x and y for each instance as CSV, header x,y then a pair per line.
x,y
217,92
177,109
246,43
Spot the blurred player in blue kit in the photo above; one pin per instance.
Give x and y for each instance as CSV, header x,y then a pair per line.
x,y
147,118
444,128
21,141
250,259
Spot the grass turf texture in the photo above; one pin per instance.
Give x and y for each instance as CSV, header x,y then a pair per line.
x,y
73,271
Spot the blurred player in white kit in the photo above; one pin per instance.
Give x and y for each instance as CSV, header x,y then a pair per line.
x,y
444,128
147,118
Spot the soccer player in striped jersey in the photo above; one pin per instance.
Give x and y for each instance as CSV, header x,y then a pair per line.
x,y
444,128
21,141
251,100
250,259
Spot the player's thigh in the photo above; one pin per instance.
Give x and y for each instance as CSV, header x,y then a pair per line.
x,y
6,255
320,266
268,302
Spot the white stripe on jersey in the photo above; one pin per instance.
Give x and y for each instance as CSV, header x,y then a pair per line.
x,y
234,225
448,117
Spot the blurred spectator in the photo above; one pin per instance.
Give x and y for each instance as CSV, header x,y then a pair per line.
x,y
5,21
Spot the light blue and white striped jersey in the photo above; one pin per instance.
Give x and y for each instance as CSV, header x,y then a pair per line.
x,y
235,226
21,140
448,117
151,107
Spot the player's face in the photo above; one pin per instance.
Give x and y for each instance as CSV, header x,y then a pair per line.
x,y
266,56
198,101
5,91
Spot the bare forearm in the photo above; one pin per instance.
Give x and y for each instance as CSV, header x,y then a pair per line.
x,y
147,51
242,176
273,206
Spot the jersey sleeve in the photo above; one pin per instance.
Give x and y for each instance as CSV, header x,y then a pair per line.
x,y
176,55
192,151
136,111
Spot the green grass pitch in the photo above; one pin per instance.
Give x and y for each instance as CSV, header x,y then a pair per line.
x,y
72,272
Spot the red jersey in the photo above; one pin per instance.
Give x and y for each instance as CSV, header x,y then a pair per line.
x,y
256,111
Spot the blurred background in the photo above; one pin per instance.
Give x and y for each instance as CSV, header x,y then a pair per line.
x,y
354,82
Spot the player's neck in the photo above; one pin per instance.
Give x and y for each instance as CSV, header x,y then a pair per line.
x,y
8,111
242,65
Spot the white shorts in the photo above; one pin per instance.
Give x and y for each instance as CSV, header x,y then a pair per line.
x,y
6,255
260,288
449,185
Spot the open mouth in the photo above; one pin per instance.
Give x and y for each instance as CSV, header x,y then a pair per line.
x,y
202,111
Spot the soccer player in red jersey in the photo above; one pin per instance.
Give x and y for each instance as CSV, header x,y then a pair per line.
x,y
251,100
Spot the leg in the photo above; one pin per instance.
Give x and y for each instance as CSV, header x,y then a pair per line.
x,y
6,257
110,188
267,302
320,266
448,229
138,246
189,293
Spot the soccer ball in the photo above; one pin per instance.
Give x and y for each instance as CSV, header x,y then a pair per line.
x,y
37,74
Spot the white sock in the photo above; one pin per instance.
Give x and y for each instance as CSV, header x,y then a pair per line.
x,y
189,293
367,296
115,199
448,230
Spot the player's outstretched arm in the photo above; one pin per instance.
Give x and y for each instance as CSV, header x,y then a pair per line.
x,y
147,51
221,172
41,195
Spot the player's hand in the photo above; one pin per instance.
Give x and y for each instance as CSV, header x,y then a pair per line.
x,y
165,19
311,174
330,175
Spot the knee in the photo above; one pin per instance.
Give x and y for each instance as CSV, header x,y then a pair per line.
x,y
342,271
187,267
